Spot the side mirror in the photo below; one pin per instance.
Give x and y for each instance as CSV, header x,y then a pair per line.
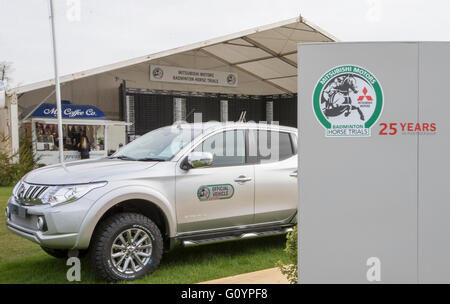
x,y
200,159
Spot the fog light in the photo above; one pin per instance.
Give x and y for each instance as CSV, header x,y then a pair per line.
x,y
7,212
40,223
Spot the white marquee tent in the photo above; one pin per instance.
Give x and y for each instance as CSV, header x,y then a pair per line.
x,y
264,58
267,53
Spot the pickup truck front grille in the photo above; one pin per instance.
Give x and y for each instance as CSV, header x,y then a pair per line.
x,y
29,194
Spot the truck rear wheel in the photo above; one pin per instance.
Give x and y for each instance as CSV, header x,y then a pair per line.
x,y
126,246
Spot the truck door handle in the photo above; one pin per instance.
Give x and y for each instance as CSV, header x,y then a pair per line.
x,y
293,173
242,179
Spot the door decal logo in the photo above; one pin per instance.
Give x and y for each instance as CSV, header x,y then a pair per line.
x,y
347,101
215,192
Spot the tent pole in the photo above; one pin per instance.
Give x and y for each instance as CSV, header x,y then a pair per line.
x,y
57,87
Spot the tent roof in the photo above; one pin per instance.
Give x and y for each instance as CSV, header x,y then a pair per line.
x,y
267,53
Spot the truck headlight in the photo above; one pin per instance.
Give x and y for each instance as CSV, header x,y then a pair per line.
x,y
57,195
16,187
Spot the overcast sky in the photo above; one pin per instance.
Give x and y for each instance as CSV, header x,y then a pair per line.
x,y
93,33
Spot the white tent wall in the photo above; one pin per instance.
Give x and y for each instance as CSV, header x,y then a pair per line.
x,y
5,130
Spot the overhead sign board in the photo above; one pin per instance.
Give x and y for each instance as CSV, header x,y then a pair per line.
x,y
192,76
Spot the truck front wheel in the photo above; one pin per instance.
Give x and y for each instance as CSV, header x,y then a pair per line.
x,y
126,246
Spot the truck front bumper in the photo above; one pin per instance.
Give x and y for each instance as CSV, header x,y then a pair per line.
x,y
63,241
61,224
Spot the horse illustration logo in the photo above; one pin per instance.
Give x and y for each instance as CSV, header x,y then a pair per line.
x,y
347,101
337,99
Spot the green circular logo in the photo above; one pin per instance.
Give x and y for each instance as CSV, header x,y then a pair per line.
x,y
203,193
158,73
347,101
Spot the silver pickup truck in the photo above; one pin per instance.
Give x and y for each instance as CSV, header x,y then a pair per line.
x,y
191,183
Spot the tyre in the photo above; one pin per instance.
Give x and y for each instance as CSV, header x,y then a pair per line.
x,y
126,246
62,253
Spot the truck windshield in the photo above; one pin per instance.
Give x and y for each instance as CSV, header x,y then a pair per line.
x,y
158,145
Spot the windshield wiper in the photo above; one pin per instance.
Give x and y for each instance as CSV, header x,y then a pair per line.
x,y
123,157
150,159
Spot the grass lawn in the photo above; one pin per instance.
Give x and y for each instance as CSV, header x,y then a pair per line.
x,y
22,261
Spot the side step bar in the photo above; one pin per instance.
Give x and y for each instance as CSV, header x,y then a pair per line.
x,y
233,236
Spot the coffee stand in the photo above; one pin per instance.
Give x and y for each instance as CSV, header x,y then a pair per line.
x,y
41,125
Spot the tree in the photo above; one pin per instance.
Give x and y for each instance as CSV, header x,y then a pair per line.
x,y
288,265
12,172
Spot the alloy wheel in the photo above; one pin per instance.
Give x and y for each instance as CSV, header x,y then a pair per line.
x,y
131,250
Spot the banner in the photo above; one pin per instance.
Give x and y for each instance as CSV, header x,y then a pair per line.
x,y
192,76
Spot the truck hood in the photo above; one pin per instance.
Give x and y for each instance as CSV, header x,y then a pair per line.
x,y
85,171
